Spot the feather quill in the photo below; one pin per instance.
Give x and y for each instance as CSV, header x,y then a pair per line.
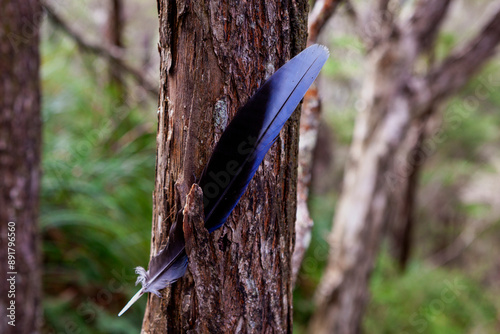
x,y
234,161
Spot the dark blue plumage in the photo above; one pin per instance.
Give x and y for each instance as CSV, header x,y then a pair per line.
x,y
251,133
235,159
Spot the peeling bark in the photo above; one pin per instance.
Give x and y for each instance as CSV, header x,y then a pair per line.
x,y
309,125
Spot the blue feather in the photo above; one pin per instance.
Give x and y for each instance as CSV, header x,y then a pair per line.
x,y
235,160
252,132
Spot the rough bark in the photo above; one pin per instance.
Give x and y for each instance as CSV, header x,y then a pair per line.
x,y
20,137
213,57
394,94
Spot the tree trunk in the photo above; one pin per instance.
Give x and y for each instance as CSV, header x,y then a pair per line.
x,y
360,214
404,185
115,29
214,55
20,138
309,126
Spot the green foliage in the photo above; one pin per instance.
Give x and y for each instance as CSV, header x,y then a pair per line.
x,y
424,300
98,172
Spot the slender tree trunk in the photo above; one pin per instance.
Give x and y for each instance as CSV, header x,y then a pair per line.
x,y
309,125
115,28
20,137
214,55
360,214
404,186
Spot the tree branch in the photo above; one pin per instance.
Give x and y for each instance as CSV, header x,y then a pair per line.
x,y
371,26
426,21
459,67
113,53
459,245
309,124
351,12
384,14
321,12
360,27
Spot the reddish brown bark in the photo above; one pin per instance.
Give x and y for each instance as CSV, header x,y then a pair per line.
x,y
213,57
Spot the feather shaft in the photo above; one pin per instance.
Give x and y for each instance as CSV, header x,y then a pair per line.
x,y
132,301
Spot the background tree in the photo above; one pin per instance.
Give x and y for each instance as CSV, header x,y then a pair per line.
x,y
214,55
99,154
20,143
397,93
309,126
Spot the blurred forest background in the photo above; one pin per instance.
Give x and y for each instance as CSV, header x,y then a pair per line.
x,y
98,177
